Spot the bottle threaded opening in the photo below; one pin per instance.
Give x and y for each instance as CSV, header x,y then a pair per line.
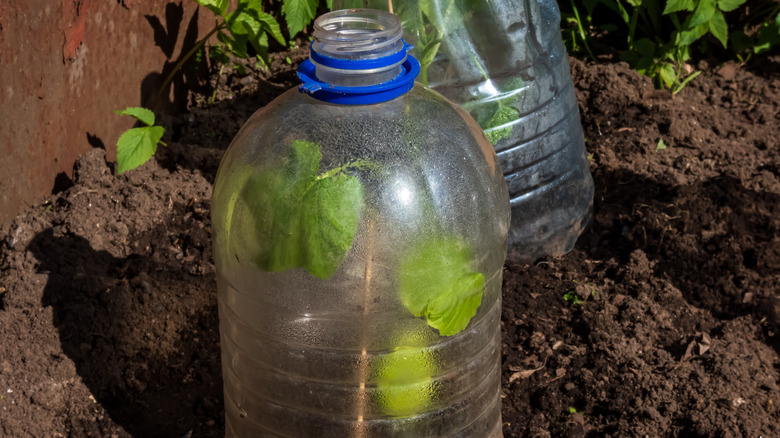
x,y
357,34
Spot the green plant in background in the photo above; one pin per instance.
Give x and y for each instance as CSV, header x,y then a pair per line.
x,y
299,13
245,26
659,37
758,36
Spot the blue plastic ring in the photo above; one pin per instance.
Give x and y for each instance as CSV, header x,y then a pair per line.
x,y
360,64
342,95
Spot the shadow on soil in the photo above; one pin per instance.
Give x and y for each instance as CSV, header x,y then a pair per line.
x,y
715,239
143,335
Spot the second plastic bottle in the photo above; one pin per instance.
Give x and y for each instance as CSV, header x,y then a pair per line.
x,y
360,228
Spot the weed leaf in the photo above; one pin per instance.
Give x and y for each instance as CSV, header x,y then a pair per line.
x,y
298,14
719,28
678,5
143,115
436,282
703,12
136,146
302,219
218,7
729,5
689,36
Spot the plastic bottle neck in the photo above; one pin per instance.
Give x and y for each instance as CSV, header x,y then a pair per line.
x,y
358,47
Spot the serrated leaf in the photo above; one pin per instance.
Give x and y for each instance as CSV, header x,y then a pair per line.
x,y
298,14
719,28
303,219
690,36
404,381
218,7
679,5
271,26
729,5
703,13
136,146
436,282
143,115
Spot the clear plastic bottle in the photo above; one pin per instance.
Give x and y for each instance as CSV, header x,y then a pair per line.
x,y
360,230
504,61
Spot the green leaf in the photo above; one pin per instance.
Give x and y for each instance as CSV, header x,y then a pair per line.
x,y
436,282
729,5
143,115
136,146
235,43
270,26
303,219
218,55
667,75
493,115
298,14
218,7
429,54
690,36
685,82
404,381
719,28
661,145
702,14
678,5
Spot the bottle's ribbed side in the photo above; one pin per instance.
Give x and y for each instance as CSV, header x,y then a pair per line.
x,y
543,155
297,389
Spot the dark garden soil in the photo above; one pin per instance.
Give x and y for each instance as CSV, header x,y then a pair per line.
x,y
108,321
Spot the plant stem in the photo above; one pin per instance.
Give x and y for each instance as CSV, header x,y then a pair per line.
x,y
363,371
216,84
181,62
632,27
582,31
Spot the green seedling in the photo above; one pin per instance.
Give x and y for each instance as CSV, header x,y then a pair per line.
x,y
572,298
660,145
573,410
661,35
135,146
